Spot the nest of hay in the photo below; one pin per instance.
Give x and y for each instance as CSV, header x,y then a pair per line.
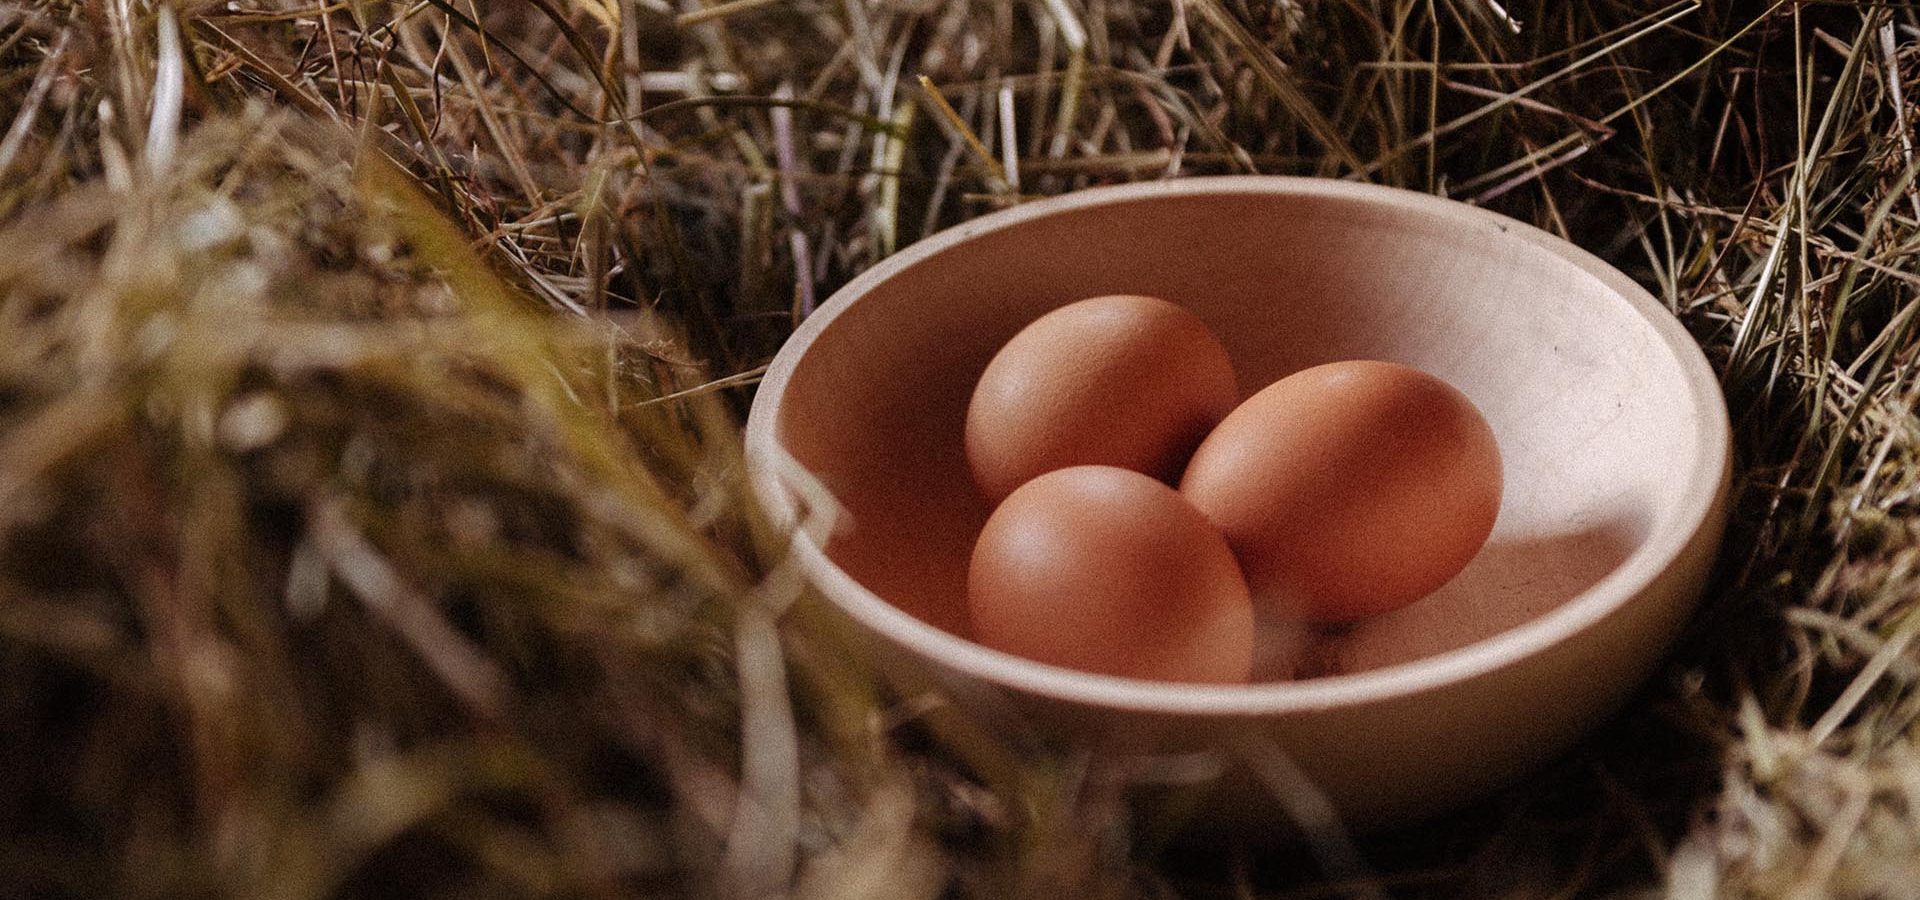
x,y
371,521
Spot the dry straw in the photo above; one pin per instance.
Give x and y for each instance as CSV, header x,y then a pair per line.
x,y
370,512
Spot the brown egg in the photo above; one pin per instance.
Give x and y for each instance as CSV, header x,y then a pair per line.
x,y
1122,380
1349,489
1106,570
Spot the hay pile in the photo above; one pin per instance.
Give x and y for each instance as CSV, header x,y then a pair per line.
x,y
370,515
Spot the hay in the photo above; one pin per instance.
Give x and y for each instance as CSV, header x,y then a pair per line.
x,y
368,454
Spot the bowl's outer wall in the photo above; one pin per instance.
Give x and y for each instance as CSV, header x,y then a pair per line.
x,y
1601,435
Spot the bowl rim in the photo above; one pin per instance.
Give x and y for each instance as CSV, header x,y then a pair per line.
x,y
1697,510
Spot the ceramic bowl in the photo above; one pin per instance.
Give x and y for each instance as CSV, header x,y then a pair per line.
x,y
1612,431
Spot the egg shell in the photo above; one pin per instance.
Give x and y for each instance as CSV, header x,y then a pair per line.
x,y
1120,380
1349,489
1109,571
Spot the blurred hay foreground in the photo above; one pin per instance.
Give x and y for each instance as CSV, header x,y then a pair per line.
x,y
370,519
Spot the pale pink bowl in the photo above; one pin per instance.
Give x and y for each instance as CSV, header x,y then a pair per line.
x,y
1612,429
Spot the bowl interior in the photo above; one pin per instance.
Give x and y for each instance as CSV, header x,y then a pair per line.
x,y
1597,420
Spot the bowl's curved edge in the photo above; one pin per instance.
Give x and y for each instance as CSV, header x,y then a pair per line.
x,y
1698,514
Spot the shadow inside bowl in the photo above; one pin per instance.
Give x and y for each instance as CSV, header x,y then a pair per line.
x,y
1514,579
